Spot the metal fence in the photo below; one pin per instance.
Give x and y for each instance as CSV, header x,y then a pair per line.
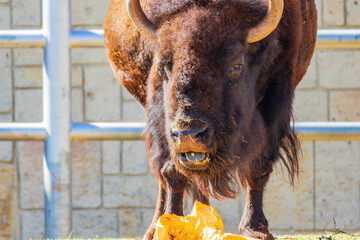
x,y
57,130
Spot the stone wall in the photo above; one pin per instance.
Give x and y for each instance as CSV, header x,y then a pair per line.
x,y
114,191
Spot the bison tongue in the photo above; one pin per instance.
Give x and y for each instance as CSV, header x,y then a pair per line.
x,y
195,156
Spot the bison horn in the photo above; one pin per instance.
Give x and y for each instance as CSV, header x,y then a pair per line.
x,y
269,23
142,23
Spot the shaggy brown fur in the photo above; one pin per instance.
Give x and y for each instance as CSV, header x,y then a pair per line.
x,y
189,75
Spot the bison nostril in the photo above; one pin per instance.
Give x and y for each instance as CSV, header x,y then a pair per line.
x,y
194,130
202,133
183,156
174,134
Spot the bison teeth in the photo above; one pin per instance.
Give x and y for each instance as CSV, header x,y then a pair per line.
x,y
196,156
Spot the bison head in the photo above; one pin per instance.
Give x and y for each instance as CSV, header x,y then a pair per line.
x,y
208,89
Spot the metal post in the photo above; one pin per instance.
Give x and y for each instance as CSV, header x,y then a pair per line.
x,y
56,98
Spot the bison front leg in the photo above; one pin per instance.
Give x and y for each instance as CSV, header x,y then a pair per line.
x,y
199,196
253,222
160,209
176,184
170,198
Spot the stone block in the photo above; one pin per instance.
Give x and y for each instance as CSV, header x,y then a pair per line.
x,y
7,182
30,159
130,223
6,81
8,203
288,208
89,12
311,105
5,58
134,159
147,216
242,200
28,57
6,151
89,56
26,12
111,151
76,76
28,77
86,175
339,69
344,105
125,95
32,224
130,191
102,94
97,223
333,13
6,148
132,112
4,17
352,13
230,212
77,103
28,105
337,185
319,12
310,79
188,204
6,117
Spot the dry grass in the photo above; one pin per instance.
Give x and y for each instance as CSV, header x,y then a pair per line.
x,y
329,236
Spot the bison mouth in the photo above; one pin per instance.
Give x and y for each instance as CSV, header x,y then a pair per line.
x,y
194,160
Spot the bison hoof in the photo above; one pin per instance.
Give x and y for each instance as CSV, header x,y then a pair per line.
x,y
259,232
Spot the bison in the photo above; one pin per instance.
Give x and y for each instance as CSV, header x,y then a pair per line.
x,y
216,79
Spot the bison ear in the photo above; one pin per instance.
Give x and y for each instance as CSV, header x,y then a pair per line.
x,y
269,23
139,19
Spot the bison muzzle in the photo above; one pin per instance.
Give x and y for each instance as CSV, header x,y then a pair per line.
x,y
216,79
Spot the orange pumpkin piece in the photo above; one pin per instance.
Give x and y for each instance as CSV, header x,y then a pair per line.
x,y
204,223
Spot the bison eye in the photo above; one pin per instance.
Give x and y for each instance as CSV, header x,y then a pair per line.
x,y
237,67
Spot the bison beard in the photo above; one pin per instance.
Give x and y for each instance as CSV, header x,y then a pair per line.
x,y
217,180
216,78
